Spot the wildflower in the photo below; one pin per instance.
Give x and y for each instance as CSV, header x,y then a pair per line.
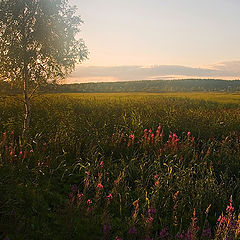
x,y
189,235
131,136
109,197
189,133
164,233
180,235
89,202
175,196
74,188
230,209
207,233
156,176
151,211
152,137
99,187
150,219
30,152
221,219
80,195
101,164
132,231
150,131
145,130
11,153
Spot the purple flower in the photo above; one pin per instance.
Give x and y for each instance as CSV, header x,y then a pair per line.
x,y
207,233
151,211
180,235
133,231
164,233
107,229
74,188
188,235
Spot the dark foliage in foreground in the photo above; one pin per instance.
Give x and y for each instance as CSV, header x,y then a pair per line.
x,y
98,170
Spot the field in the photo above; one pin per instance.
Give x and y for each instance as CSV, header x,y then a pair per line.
x,y
121,166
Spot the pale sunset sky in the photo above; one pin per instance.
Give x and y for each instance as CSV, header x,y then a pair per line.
x,y
159,39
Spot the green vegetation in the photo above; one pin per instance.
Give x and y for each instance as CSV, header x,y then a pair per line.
x,y
185,85
121,166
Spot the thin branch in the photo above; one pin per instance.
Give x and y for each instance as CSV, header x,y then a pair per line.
x,y
34,90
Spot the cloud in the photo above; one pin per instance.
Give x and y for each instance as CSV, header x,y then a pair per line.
x,y
224,70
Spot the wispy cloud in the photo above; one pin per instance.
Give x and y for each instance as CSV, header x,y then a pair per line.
x,y
224,70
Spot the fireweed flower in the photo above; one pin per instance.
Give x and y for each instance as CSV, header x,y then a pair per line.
x,y
149,220
221,219
230,209
30,152
164,233
152,211
207,233
109,197
80,195
99,187
180,235
89,202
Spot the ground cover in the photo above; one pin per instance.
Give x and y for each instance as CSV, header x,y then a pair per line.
x,y
121,166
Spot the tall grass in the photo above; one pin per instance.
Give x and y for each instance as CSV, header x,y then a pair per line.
x,y
120,167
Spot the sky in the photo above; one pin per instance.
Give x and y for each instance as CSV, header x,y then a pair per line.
x,y
159,39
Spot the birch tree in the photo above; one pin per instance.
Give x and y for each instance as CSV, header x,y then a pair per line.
x,y
38,43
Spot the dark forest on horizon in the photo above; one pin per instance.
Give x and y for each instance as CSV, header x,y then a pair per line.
x,y
183,85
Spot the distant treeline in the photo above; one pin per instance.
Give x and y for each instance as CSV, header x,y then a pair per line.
x,y
185,85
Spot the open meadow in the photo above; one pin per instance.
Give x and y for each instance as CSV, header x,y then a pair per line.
x,y
121,166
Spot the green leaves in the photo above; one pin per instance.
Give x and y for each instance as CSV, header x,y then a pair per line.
x,y
40,34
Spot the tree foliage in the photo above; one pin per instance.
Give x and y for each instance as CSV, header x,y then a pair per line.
x,y
38,43
38,40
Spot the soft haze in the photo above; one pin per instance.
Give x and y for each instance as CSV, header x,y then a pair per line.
x,y
159,39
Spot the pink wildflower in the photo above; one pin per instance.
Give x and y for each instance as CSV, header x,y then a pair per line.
x,y
99,187
89,202
109,197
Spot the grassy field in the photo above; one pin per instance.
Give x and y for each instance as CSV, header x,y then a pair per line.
x,y
121,166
